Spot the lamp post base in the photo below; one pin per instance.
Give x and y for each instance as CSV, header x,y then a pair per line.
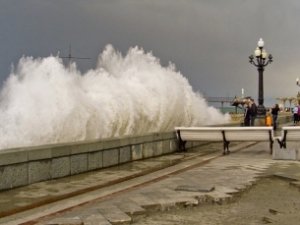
x,y
260,121
261,111
261,116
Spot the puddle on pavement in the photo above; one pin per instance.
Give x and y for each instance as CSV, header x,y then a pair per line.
x,y
270,201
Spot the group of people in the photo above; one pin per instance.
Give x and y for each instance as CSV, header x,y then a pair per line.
x,y
271,115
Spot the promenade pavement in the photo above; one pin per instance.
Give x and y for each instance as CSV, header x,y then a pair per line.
x,y
193,178
20,202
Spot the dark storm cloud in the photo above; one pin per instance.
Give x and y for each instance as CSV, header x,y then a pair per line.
x,y
209,41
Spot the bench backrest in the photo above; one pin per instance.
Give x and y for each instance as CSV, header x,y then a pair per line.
x,y
231,133
200,133
292,133
249,133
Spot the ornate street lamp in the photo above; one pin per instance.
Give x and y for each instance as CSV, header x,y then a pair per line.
x,y
298,95
260,59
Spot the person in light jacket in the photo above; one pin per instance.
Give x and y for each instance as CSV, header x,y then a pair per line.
x,y
295,114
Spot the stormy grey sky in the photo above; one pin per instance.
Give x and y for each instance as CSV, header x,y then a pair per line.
x,y
209,41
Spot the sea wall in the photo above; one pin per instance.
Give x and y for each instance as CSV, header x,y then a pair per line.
x,y
24,166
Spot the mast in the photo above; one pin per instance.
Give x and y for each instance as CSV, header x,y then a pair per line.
x,y
70,57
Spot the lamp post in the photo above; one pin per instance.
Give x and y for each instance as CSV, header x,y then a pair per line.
x,y
260,60
297,81
298,95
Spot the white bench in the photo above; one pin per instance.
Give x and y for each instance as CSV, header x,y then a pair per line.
x,y
225,135
288,134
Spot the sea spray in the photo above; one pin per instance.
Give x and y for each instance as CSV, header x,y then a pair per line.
x,y
44,102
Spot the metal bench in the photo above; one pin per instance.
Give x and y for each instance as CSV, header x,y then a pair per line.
x,y
288,134
225,135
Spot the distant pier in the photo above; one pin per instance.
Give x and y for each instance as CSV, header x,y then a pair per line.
x,y
222,100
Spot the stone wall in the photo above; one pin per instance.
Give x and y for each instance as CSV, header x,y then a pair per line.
x,y
23,166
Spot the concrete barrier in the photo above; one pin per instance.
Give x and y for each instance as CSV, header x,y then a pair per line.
x,y
24,166
286,154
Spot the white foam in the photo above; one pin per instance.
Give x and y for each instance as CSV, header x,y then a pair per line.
x,y
45,102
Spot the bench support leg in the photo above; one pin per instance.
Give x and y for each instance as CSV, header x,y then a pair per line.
x,y
226,147
271,142
182,146
181,143
225,144
271,147
282,143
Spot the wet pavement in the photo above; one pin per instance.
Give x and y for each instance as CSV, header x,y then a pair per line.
x,y
219,181
17,203
115,195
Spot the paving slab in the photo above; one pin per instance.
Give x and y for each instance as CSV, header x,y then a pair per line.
x,y
65,221
113,214
130,207
96,219
143,201
195,188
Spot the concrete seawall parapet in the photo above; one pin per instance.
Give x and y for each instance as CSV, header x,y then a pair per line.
x,y
24,166
27,165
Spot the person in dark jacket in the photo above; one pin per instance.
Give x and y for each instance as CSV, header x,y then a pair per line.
x,y
247,115
275,111
253,112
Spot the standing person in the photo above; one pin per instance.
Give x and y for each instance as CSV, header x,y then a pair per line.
x,y
253,112
275,111
268,119
247,115
295,114
298,119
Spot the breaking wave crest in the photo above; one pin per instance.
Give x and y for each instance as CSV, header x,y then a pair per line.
x,y
43,102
